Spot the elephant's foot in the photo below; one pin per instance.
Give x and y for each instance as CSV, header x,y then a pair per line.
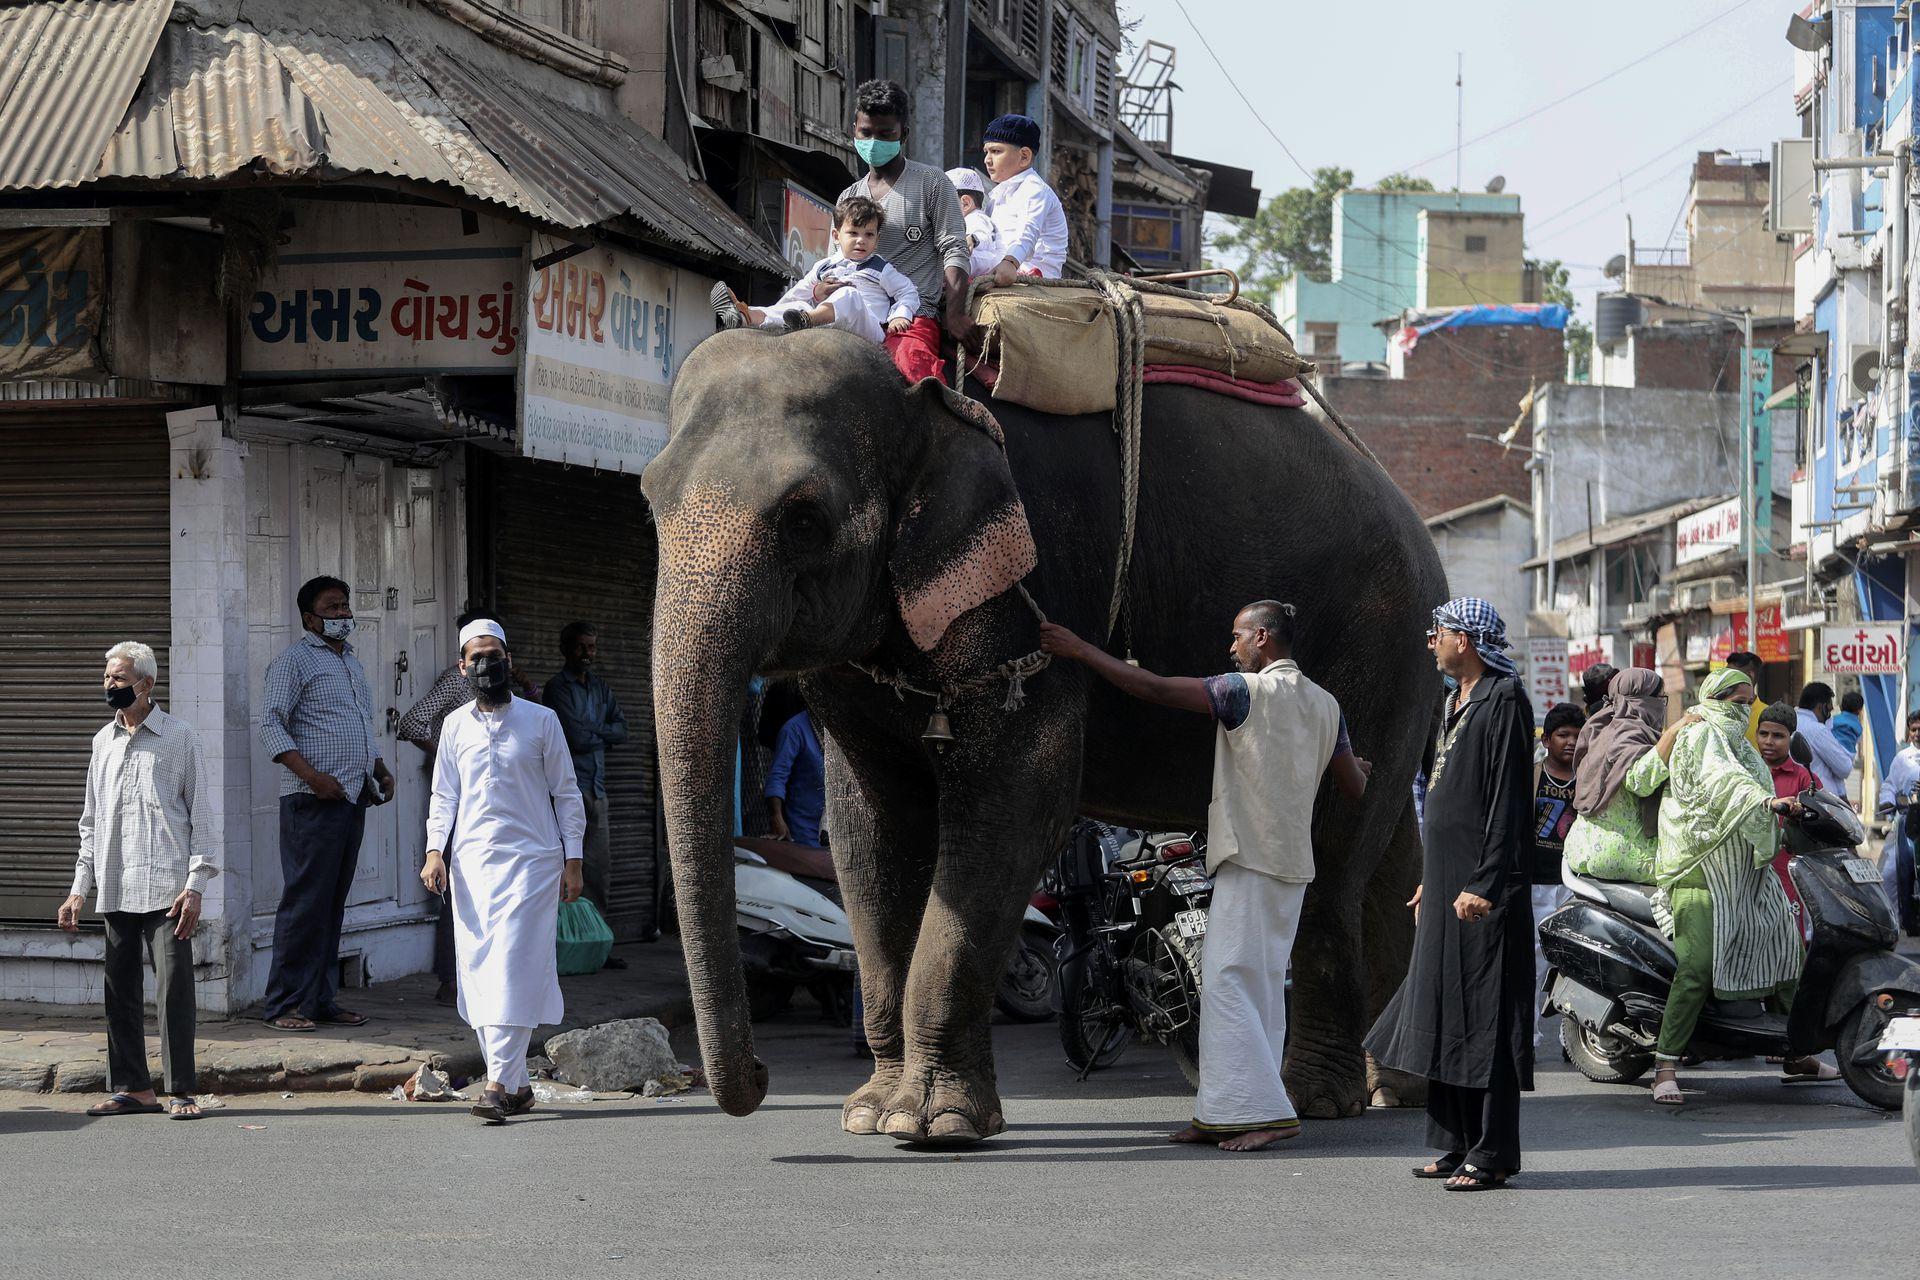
x,y
864,1107
943,1108
1389,1088
1332,1097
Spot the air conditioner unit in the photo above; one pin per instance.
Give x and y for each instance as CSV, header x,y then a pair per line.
x,y
1660,600
1863,365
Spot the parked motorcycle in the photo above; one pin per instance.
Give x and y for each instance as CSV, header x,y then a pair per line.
x,y
794,933
1130,965
1901,1042
1027,987
1611,967
793,928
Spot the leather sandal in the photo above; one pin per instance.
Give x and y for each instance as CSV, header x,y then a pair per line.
x,y
1667,1092
1477,1179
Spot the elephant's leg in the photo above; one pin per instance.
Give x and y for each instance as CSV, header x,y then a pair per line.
x,y
885,837
995,836
1386,939
1325,1068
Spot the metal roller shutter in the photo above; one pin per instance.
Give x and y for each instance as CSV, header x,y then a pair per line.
x,y
568,544
83,565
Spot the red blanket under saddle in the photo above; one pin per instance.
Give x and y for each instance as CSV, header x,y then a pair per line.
x,y
1286,394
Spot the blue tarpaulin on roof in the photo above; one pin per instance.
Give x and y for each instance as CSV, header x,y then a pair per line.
x,y
1537,315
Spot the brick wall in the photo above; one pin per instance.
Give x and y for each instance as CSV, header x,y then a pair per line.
x,y
1459,383
1700,357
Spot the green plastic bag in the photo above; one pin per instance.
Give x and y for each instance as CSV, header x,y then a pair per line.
x,y
583,941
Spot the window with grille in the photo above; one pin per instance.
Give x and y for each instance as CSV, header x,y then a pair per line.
x,y
1476,244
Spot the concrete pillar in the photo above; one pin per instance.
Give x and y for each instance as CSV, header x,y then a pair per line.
x,y
936,77
1103,210
207,674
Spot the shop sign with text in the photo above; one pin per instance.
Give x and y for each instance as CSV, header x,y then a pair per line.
x,y
1707,533
380,289
1589,651
605,331
1546,672
1862,649
52,290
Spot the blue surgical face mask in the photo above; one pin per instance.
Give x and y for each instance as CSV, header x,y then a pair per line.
x,y
876,151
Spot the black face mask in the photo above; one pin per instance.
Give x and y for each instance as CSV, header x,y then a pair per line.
x,y
487,677
122,696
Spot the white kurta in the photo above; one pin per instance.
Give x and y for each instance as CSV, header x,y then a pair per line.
x,y
506,810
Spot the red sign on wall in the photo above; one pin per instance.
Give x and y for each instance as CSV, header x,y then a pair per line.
x,y
1773,638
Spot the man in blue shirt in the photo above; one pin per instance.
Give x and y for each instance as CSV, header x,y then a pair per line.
x,y
590,715
797,783
316,722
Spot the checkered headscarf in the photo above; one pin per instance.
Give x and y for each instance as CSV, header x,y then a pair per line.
x,y
1480,622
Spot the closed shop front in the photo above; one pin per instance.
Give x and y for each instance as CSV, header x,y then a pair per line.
x,y
83,564
560,544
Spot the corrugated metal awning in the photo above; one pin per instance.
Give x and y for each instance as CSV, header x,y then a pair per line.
x,y
68,69
216,102
1622,529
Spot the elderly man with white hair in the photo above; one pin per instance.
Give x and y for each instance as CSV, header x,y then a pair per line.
x,y
507,806
147,847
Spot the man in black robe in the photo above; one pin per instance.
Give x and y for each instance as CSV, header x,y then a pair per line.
x,y
1464,1017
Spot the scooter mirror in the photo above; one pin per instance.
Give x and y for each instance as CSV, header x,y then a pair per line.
x,y
1800,750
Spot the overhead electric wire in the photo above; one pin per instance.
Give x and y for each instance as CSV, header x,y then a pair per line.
x,y
1572,94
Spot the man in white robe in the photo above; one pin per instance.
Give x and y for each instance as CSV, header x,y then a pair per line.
x,y
1276,734
507,808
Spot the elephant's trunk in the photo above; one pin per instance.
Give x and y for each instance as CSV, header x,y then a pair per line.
x,y
706,639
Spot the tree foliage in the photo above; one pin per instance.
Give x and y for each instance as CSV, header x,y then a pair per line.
x,y
1554,288
1293,232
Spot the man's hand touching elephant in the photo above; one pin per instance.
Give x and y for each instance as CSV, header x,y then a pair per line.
x,y
1062,643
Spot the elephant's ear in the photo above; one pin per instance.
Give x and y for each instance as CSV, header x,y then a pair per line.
x,y
961,536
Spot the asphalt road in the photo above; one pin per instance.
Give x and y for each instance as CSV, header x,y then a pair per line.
x,y
1750,1178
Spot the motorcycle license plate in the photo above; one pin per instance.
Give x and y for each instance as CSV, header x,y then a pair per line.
x,y
1192,924
1902,1034
1862,871
1188,880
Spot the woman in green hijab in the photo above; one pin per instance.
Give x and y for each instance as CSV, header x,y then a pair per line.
x,y
1733,930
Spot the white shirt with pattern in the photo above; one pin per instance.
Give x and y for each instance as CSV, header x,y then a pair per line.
x,y
145,833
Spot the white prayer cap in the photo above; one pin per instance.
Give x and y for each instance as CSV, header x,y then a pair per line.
x,y
965,179
481,627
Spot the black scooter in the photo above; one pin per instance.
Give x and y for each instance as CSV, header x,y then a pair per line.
x,y
1612,967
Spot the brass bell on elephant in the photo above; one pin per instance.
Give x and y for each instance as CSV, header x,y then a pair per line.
x,y
938,732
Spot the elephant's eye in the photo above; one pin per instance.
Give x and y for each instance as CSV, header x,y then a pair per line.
x,y
804,528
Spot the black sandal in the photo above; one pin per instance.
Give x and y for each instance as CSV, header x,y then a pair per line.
x,y
1478,1179
518,1104
493,1106
1442,1168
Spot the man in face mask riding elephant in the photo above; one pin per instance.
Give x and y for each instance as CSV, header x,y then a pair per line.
x,y
924,235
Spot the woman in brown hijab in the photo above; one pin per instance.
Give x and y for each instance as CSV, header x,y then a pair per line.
x,y
1613,836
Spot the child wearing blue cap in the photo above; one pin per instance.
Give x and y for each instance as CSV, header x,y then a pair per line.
x,y
1026,213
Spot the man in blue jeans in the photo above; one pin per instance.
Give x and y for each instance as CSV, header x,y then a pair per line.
x,y
316,721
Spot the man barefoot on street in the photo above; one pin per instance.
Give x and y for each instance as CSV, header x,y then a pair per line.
x,y
507,807
1278,733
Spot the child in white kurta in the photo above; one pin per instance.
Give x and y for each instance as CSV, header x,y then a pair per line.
x,y
1026,212
506,808
983,241
853,288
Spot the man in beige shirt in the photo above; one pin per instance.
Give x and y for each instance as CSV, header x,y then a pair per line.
x,y
147,848
1277,733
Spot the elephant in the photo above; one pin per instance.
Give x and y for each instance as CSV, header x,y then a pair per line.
x,y
819,518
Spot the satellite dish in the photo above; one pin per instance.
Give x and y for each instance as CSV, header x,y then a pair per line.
x,y
1616,267
1809,36
1497,185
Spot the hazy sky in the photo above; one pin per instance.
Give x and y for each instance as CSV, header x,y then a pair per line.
x,y
1368,84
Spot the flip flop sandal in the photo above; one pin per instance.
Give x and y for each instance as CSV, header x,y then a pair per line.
x,y
1667,1093
724,307
285,1023
1478,1179
125,1104
343,1018
177,1109
1444,1167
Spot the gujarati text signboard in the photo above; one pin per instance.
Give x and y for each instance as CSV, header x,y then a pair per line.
x,y
1862,648
365,290
52,283
605,331
1707,533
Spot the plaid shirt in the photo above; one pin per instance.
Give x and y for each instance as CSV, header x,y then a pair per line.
x,y
319,704
421,724
144,833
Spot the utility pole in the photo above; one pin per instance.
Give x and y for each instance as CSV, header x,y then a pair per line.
x,y
1459,119
1750,499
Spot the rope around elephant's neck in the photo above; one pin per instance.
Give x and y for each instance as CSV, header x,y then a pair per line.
x,y
1016,672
